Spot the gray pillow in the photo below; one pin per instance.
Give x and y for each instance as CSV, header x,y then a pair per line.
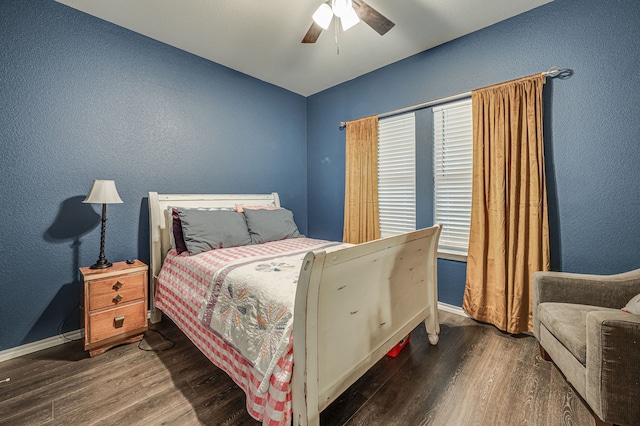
x,y
205,230
634,305
270,225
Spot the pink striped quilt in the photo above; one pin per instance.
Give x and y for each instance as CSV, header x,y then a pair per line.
x,y
242,325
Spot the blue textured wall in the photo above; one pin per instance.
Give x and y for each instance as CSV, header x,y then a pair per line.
x,y
83,99
592,130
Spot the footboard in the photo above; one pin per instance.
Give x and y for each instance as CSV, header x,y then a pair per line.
x,y
352,306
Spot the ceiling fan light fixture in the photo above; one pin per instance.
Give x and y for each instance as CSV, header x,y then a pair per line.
x,y
348,16
323,15
341,7
349,19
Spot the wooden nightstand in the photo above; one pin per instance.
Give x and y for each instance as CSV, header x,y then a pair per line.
x,y
114,309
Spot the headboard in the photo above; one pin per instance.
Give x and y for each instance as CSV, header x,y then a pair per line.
x,y
159,239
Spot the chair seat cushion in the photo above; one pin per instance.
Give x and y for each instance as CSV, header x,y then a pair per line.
x,y
568,323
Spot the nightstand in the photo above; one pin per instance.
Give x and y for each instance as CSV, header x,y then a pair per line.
x,y
114,308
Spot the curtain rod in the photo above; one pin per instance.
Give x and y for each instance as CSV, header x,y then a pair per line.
x,y
554,71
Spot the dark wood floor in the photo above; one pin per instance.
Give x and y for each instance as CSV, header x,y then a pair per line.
x,y
476,375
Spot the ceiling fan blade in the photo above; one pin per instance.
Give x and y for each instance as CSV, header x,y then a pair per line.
x,y
312,34
372,17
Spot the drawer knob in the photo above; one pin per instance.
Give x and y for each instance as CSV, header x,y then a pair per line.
x,y
118,321
117,285
118,298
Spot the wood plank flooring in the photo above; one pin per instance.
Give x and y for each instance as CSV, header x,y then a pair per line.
x,y
476,375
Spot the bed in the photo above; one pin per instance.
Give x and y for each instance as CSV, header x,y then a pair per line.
x,y
351,305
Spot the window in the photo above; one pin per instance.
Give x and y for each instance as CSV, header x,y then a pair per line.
x,y
452,170
397,174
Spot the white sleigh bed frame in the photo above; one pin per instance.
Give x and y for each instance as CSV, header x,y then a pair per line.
x,y
352,305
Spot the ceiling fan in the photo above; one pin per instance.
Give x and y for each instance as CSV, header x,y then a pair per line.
x,y
349,12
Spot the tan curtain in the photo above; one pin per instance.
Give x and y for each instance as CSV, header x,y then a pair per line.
x,y
361,217
509,236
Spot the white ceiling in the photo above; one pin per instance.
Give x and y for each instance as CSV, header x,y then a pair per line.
x,y
261,38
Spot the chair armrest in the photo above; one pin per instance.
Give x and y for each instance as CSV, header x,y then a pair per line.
x,y
611,291
613,366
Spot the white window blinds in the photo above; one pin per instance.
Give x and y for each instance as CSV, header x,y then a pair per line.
x,y
452,169
397,174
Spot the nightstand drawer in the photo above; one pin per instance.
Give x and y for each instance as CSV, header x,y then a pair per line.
x,y
116,291
105,324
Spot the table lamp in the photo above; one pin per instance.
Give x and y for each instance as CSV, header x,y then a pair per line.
x,y
103,192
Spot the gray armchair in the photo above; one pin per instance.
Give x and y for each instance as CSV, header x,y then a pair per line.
x,y
579,324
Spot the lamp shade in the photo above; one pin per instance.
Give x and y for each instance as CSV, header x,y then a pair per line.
x,y
341,7
323,15
103,192
349,19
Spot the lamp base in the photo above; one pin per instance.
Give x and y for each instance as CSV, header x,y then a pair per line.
x,y
101,265
102,262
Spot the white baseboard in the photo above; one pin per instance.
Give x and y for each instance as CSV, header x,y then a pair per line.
x,y
79,334
452,309
47,343
40,345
